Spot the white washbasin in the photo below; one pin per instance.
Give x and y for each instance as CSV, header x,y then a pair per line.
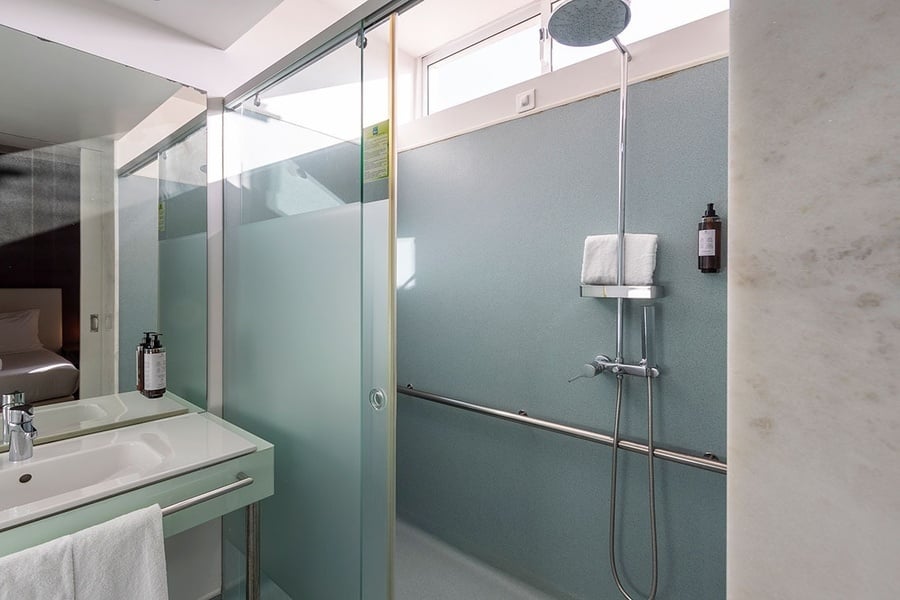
x,y
66,474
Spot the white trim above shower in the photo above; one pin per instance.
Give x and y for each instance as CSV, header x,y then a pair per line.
x,y
687,46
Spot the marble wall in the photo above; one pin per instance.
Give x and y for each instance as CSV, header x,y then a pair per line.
x,y
813,303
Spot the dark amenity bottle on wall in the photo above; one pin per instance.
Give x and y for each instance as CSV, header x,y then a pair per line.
x,y
709,243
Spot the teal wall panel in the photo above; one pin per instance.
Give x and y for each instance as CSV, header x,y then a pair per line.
x,y
493,315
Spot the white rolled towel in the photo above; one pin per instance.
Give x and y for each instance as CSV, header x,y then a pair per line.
x,y
122,558
599,266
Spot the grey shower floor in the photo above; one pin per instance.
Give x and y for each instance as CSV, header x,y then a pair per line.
x,y
428,569
425,569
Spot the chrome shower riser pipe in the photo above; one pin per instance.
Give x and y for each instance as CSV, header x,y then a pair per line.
x,y
620,335
620,221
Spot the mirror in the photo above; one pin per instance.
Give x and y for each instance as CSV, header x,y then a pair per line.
x,y
102,224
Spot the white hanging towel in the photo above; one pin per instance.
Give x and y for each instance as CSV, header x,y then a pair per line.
x,y
43,572
122,558
599,266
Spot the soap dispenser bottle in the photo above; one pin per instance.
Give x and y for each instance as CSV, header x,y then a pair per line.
x,y
709,246
154,368
139,361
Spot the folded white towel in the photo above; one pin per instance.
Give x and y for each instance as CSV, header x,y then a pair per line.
x,y
122,558
599,266
44,572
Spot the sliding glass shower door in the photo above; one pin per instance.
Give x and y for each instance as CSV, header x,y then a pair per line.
x,y
308,325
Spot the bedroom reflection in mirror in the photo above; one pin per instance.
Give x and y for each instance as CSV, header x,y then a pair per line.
x,y
102,224
32,355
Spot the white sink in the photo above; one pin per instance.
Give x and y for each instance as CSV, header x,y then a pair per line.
x,y
66,474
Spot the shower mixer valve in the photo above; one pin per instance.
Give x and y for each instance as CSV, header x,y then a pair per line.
x,y
603,363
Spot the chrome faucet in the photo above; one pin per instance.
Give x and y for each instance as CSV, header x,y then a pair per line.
x,y
7,401
21,432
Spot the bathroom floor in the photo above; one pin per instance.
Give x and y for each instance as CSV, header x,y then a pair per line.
x,y
427,568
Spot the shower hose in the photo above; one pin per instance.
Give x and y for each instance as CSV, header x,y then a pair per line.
x,y
652,495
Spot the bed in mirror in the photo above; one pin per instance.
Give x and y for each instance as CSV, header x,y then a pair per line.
x,y
102,231
31,345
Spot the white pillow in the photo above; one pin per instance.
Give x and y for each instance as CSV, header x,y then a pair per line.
x,y
19,331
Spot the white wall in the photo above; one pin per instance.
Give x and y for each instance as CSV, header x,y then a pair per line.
x,y
99,359
814,309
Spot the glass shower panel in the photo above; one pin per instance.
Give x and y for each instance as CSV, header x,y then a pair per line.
x,y
294,325
181,221
378,381
138,215
162,264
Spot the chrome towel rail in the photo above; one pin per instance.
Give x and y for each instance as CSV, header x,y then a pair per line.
x,y
252,514
243,480
690,460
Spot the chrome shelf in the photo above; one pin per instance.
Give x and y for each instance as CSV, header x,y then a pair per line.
x,y
634,292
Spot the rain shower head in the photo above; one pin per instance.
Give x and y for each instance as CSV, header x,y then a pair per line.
x,y
589,22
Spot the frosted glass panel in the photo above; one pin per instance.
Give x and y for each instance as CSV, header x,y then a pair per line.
x,y
138,266
182,314
377,340
297,346
162,265
292,376
181,221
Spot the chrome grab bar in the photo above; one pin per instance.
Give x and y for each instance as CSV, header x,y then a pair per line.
x,y
243,480
690,460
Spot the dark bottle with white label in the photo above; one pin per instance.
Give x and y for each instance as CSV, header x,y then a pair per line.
x,y
154,368
709,242
139,361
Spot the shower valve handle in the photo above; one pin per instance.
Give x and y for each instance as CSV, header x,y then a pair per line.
x,y
593,368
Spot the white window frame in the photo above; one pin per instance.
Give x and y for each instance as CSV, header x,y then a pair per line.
x,y
695,43
537,8
491,31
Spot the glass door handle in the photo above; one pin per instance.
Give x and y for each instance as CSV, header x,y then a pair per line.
x,y
377,398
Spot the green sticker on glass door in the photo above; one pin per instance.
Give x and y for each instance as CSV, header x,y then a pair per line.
x,y
161,217
376,152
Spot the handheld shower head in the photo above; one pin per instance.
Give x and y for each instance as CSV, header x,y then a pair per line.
x,y
589,22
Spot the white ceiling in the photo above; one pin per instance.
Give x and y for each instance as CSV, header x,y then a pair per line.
x,y
60,95
164,36
55,94
218,23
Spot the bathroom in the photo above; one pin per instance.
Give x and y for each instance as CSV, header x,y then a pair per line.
x,y
494,215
